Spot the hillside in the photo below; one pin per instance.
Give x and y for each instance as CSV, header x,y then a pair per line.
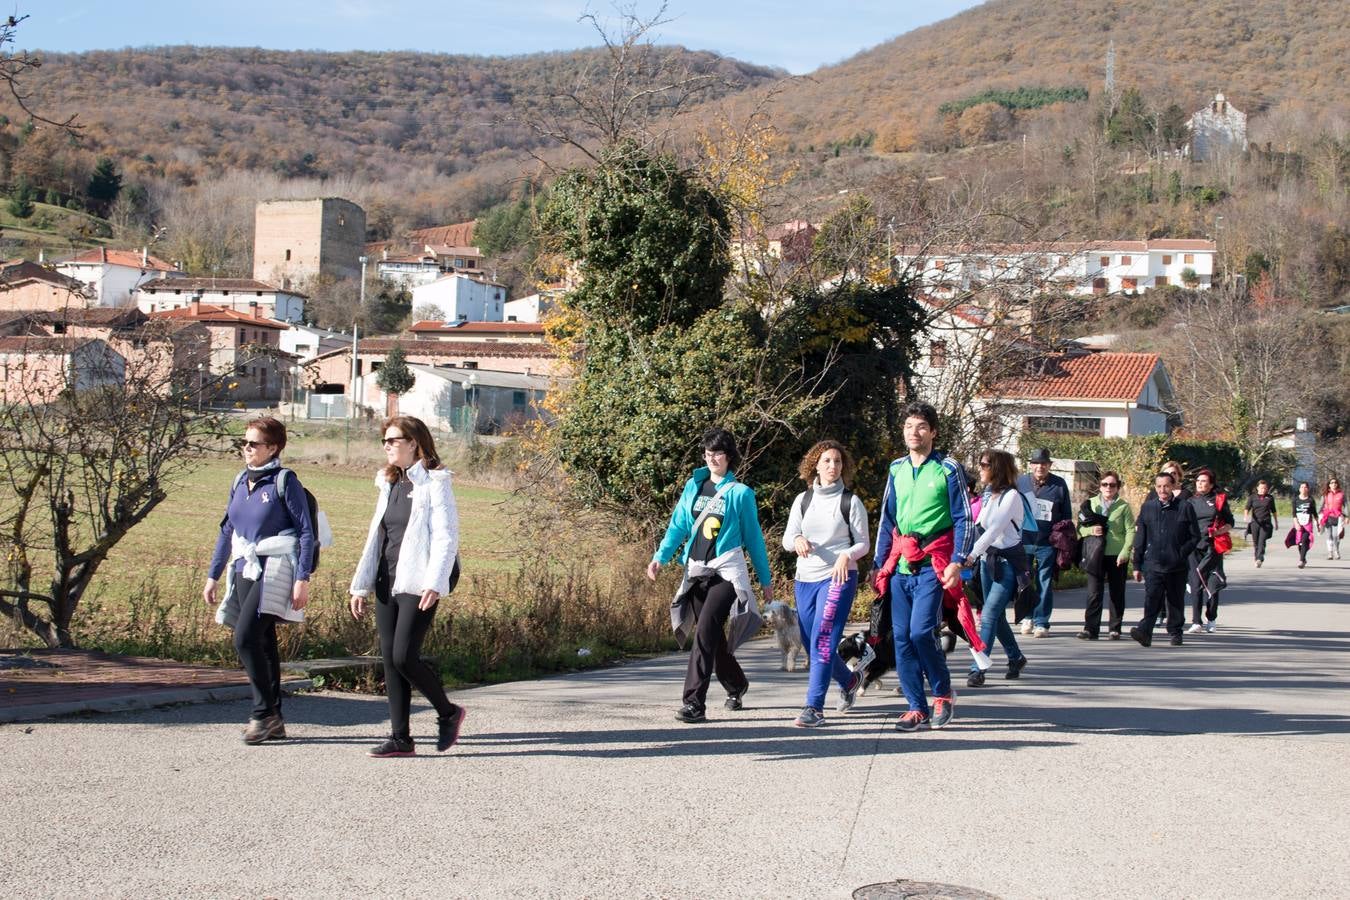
x,y
186,113
1260,53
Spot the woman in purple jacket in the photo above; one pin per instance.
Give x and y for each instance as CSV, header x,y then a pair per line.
x,y
266,551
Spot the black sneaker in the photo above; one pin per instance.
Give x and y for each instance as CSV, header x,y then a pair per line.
x,y
1086,635
943,708
1176,640
1015,667
393,748
447,729
690,713
975,679
734,700
1138,634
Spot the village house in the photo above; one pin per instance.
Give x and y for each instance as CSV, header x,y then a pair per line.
x,y
527,332
481,400
246,362
463,298
788,242
239,294
114,275
532,308
308,341
1091,394
38,369
1082,269
27,285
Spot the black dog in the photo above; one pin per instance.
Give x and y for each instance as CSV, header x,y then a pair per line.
x,y
853,649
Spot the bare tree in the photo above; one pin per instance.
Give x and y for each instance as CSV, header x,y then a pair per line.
x,y
16,68
90,443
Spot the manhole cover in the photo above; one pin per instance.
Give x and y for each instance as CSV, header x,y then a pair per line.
x,y
919,890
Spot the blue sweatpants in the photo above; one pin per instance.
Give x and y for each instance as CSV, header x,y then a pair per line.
x,y
916,609
822,613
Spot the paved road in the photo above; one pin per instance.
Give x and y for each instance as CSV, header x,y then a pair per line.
x,y
1218,769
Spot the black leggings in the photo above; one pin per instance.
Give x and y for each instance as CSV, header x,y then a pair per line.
x,y
713,599
1261,534
402,628
255,640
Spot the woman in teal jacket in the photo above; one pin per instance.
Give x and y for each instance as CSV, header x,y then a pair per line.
x,y
717,522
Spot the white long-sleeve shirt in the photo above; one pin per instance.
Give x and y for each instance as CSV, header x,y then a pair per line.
x,y
1001,518
825,528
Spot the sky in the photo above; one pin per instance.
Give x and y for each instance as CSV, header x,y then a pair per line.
x,y
797,36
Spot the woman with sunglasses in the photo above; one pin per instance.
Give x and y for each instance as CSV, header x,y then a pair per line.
x,y
1004,566
1333,516
716,521
265,550
1106,518
410,562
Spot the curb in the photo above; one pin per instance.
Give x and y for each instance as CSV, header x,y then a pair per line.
x,y
146,700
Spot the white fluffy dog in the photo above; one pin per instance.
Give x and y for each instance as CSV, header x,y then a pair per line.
x,y
783,620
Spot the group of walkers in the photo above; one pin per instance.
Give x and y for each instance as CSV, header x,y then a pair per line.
x,y
1006,535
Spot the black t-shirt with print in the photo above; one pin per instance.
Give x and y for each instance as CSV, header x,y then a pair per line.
x,y
704,545
1261,508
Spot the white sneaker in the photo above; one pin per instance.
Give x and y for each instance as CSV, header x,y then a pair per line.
x,y
1211,628
1041,631
1026,626
1197,628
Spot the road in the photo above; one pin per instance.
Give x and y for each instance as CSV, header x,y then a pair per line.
x,y
1217,769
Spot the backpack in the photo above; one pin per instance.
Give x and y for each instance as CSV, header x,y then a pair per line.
x,y
845,510
1031,530
323,534
1222,543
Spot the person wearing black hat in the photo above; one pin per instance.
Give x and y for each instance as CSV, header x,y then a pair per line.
x,y
1049,499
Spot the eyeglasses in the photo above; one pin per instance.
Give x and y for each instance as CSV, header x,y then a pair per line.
x,y
391,441
713,454
254,445
1110,484
984,464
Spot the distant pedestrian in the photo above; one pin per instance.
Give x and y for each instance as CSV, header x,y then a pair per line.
x,y
265,549
1050,503
716,521
411,562
827,529
1305,521
1206,577
1106,527
926,507
1165,535
1333,517
1262,519
1001,557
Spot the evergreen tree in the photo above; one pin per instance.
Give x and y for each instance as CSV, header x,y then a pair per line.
x,y
394,376
21,200
105,184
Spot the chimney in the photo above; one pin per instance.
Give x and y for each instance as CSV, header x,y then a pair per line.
x,y
196,306
103,254
145,255
253,311
384,253
42,256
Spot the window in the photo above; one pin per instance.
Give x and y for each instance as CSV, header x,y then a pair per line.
x,y
59,327
1188,258
1059,261
375,367
243,335
470,364
1167,259
342,220
288,255
1159,280
937,354
358,368
939,264
1087,425
1126,260
1129,284
1099,285
517,398
1105,261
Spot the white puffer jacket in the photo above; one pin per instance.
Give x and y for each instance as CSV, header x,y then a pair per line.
x,y
430,542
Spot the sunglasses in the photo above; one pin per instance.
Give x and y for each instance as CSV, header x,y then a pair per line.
x,y
254,445
1110,484
984,464
391,441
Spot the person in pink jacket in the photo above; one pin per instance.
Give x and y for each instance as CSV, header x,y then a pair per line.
x,y
1333,516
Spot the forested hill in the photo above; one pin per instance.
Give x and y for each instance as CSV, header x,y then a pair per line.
x,y
187,112
1260,53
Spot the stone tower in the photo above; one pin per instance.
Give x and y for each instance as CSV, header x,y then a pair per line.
x,y
296,242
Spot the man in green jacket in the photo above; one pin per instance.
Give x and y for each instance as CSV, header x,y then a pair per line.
x,y
1118,537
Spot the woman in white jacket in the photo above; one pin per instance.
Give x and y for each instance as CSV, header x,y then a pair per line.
x,y
410,562
1004,567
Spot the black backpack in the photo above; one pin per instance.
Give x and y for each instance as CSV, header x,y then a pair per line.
x,y
845,510
310,501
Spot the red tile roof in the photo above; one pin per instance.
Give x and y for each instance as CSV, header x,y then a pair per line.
x,y
105,316
218,315
41,344
466,349
477,327
1095,376
459,234
16,271
129,258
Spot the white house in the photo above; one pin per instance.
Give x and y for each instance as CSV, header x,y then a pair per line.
x,y
490,332
1092,394
532,308
237,294
115,275
308,341
451,399
1219,129
463,298
1091,267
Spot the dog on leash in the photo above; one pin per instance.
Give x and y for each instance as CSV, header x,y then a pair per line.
x,y
783,620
